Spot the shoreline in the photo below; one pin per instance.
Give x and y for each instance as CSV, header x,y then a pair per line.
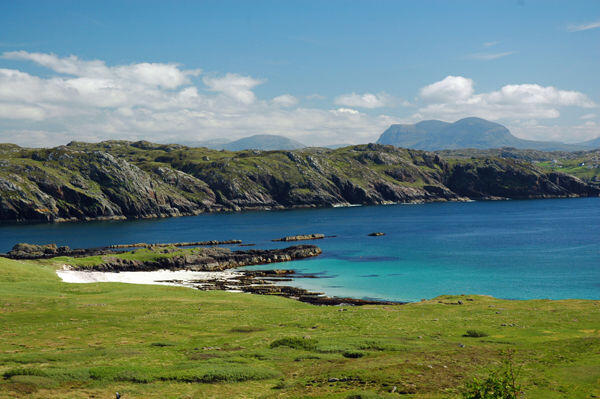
x,y
279,208
258,282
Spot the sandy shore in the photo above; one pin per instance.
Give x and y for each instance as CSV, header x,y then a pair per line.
x,y
160,277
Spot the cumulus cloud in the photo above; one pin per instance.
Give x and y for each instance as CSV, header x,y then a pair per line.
x,y
235,86
366,100
581,27
92,101
588,116
451,88
152,74
164,102
454,97
285,100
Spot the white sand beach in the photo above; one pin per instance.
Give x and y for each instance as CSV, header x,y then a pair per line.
x,y
160,277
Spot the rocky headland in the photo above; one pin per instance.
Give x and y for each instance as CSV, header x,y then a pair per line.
x,y
163,257
121,179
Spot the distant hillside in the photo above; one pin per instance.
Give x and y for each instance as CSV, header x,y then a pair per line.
x,y
478,133
122,179
593,144
266,142
582,164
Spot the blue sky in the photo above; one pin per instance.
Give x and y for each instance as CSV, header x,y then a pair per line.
x,y
321,72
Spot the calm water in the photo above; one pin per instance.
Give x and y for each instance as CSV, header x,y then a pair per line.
x,y
508,249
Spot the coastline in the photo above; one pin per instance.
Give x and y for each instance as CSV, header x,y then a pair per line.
x,y
258,282
223,210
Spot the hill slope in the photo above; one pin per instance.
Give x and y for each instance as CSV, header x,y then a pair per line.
x,y
479,133
119,179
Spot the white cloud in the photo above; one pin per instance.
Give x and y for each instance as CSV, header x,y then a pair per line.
x,y
346,111
490,56
451,88
235,86
92,101
581,27
454,97
588,116
285,100
366,100
568,134
167,76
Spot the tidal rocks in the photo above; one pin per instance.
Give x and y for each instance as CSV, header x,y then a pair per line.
x,y
262,282
301,237
32,251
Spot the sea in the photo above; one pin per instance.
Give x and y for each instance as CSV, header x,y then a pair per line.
x,y
530,249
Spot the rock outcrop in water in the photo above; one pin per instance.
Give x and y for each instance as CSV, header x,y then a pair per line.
x,y
301,237
120,179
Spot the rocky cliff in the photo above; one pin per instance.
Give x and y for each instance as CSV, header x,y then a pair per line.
x,y
119,179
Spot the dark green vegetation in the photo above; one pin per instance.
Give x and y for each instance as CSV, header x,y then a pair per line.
x,y
500,384
582,164
63,340
118,179
435,135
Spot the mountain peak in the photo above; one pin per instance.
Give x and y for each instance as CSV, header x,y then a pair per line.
x,y
471,132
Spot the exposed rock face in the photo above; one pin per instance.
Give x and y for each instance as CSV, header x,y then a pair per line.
x,y
119,179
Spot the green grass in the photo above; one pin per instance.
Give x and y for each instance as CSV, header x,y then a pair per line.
x,y
90,340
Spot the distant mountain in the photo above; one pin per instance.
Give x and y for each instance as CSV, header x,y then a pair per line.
x,y
434,135
592,144
263,142
266,142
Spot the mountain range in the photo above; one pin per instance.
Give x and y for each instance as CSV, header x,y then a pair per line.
x,y
434,135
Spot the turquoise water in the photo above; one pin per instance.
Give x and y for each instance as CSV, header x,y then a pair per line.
x,y
507,249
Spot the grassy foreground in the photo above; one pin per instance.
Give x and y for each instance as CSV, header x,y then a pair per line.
x,y
62,340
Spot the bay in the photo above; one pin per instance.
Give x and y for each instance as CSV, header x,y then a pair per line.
x,y
507,249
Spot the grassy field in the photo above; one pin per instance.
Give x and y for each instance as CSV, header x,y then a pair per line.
x,y
62,340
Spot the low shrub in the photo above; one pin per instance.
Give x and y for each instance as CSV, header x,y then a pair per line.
x,y
499,384
295,343
475,334
353,354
